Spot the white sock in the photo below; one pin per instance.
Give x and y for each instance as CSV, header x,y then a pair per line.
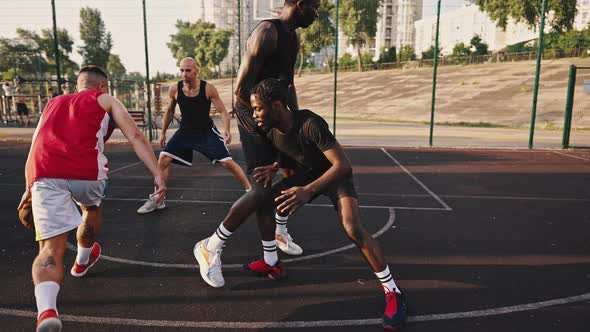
x,y
218,238
83,255
270,252
387,280
281,224
46,296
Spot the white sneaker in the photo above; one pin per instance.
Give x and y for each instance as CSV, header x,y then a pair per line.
x,y
209,264
150,205
286,244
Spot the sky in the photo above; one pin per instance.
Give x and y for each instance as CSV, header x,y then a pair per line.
x,y
124,19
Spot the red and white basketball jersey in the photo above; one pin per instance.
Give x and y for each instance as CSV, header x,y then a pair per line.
x,y
70,140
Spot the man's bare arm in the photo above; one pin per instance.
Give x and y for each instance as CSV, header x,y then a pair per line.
x,y
261,44
170,109
293,198
213,95
127,125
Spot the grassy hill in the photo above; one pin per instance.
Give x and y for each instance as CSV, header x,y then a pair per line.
x,y
488,94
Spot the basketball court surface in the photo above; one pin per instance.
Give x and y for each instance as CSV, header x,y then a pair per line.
x,y
479,240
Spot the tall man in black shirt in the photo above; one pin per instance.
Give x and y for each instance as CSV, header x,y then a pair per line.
x,y
197,131
271,52
321,167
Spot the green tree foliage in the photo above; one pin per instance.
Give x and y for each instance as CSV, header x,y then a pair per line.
x,y
407,53
115,67
322,33
481,48
429,53
218,48
529,12
97,41
34,53
358,20
388,55
575,39
461,50
202,41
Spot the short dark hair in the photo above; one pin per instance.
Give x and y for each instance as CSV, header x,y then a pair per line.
x,y
93,69
271,89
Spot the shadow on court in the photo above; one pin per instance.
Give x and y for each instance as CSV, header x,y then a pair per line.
x,y
480,240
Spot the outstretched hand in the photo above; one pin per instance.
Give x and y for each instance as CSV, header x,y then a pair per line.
x,y
265,174
159,189
292,199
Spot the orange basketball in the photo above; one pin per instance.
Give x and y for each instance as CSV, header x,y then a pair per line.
x,y
26,218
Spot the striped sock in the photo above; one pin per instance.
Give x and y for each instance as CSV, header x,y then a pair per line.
x,y
281,224
218,238
387,280
270,252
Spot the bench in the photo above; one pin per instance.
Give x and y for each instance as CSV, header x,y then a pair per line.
x,y
139,118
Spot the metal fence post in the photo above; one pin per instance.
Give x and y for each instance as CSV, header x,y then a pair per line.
x,y
147,75
537,74
435,65
569,105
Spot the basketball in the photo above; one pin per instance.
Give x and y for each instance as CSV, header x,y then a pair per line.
x,y
26,217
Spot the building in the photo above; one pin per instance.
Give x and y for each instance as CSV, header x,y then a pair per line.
x,y
462,24
583,17
395,27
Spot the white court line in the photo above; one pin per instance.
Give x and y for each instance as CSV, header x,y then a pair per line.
x,y
302,324
516,198
384,229
569,155
314,205
124,167
418,181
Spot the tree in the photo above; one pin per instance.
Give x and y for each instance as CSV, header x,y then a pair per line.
x,y
481,48
388,55
429,53
33,54
460,50
529,11
358,20
218,48
322,33
115,67
97,41
407,53
201,41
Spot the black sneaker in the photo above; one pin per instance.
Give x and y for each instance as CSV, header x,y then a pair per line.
x,y
395,311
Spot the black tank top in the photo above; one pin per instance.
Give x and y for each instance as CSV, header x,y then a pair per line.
x,y
194,110
281,64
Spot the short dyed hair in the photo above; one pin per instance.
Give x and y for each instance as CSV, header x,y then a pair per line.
x,y
271,89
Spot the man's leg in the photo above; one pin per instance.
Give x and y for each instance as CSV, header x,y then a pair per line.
x,y
88,249
151,203
48,274
395,308
237,172
208,251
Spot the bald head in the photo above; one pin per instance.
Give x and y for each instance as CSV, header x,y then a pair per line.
x,y
189,62
189,69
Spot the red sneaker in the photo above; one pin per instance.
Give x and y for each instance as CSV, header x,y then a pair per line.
x,y
79,270
395,313
48,322
259,267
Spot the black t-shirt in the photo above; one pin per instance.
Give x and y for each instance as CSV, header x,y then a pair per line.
x,y
302,148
